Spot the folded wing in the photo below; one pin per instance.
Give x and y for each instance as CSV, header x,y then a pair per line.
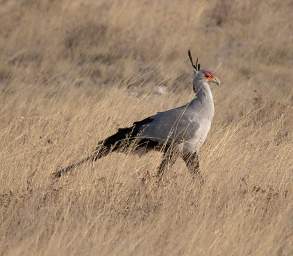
x,y
175,125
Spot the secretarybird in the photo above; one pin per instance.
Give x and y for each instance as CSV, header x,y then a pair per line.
x,y
176,132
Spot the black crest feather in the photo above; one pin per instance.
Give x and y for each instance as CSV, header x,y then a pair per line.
x,y
196,66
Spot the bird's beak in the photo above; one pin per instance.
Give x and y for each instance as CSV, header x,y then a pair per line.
x,y
216,81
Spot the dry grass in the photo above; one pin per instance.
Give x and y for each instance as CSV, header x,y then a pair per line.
x,y
72,72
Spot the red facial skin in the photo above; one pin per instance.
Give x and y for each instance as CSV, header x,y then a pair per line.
x,y
208,75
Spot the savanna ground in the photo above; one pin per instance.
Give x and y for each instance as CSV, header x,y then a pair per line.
x,y
72,72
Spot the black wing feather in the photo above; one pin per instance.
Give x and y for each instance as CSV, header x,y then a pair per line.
x,y
124,136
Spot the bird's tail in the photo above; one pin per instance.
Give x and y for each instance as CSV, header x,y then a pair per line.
x,y
60,172
110,144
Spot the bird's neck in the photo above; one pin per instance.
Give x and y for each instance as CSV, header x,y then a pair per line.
x,y
204,95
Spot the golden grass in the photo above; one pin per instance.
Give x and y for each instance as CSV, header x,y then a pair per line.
x,y
72,72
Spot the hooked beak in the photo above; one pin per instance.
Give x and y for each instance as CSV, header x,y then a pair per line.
x,y
216,81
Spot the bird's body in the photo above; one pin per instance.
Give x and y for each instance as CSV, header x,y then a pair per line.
x,y
186,126
179,131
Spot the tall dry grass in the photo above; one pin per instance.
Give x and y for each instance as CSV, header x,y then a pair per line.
x,y
72,72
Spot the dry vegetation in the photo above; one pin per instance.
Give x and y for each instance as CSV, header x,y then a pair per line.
x,y
72,72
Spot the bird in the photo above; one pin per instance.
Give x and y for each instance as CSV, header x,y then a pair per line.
x,y
176,132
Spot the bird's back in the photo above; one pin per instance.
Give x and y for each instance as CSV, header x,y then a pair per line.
x,y
172,125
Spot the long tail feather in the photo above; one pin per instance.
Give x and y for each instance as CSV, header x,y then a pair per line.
x,y
119,140
60,172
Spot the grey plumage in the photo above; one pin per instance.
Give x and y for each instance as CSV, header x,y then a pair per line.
x,y
172,125
176,132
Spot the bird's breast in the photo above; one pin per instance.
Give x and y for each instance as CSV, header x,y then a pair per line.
x,y
199,136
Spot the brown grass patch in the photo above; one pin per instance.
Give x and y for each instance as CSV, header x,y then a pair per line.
x,y
72,72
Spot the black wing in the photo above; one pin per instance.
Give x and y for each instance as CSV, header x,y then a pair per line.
x,y
125,136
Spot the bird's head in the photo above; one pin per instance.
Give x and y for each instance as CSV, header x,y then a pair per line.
x,y
201,75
